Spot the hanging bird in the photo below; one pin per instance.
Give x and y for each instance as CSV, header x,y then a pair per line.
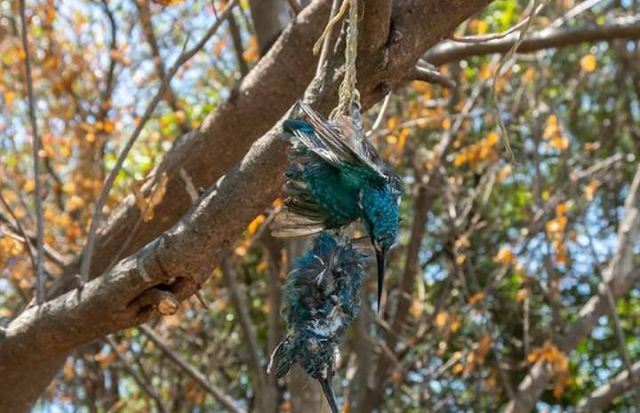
x,y
322,297
335,177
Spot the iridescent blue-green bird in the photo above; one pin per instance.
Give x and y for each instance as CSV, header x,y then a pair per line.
x,y
335,177
322,297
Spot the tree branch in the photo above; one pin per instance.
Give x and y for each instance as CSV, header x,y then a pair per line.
x,y
621,28
144,13
603,396
184,57
36,343
196,375
620,275
37,195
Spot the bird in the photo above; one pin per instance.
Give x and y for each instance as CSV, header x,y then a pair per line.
x,y
321,299
335,177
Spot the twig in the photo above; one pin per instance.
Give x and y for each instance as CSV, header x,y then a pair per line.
x,y
295,6
507,58
425,74
495,36
36,162
247,326
378,121
617,326
137,377
182,59
580,8
21,230
196,375
627,27
236,39
144,13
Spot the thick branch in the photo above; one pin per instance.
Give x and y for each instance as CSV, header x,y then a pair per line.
x,y
621,28
620,274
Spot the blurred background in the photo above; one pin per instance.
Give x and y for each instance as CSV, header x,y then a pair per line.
x,y
500,249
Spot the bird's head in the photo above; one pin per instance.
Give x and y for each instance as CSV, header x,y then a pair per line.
x,y
380,208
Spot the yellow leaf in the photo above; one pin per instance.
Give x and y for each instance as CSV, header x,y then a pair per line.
x,y
492,138
485,72
416,308
556,226
504,173
590,190
559,142
561,208
522,294
255,224
392,123
441,319
484,345
482,27
591,146
457,368
29,185
402,139
68,371
476,298
446,123
108,126
9,97
262,266
462,242
251,54
421,87
505,256
529,74
588,63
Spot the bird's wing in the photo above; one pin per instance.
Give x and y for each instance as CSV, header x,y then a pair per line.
x,y
289,224
338,150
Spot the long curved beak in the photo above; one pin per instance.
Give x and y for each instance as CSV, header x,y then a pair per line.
x,y
381,256
328,393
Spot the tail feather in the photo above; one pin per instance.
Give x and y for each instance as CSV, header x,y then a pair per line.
x,y
281,359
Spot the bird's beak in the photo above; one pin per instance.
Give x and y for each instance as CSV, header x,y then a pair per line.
x,y
328,393
381,256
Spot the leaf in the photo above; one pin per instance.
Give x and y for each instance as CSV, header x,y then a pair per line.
x,y
251,53
392,123
255,224
590,190
504,173
588,63
476,298
441,319
9,97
